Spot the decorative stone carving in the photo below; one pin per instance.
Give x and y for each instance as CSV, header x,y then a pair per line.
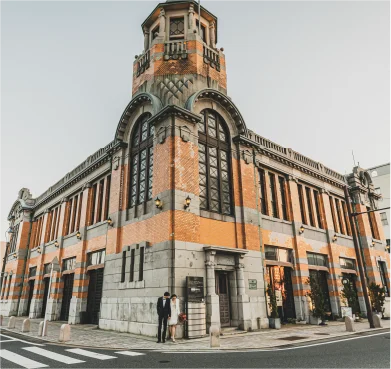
x,y
170,88
146,39
161,134
185,133
116,162
212,35
222,259
162,22
191,17
210,264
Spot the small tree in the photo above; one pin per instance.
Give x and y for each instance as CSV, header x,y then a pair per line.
x,y
349,295
316,296
273,302
377,295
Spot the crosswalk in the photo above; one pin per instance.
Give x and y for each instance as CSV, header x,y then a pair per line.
x,y
33,357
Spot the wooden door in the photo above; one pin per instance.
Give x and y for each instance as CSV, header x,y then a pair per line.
x,y
95,287
66,296
223,292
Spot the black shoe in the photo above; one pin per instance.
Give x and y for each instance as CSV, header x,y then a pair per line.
x,y
164,341
159,341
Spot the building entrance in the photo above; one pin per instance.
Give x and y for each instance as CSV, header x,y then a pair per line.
x,y
222,290
31,292
280,279
94,295
66,296
45,296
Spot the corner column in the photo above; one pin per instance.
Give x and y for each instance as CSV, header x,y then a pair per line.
x,y
212,300
242,298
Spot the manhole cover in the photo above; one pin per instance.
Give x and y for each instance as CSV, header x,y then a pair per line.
x,y
322,334
293,338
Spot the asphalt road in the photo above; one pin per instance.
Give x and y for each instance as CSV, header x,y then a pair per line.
x,y
360,351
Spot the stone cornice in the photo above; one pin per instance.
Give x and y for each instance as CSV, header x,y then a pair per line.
x,y
174,110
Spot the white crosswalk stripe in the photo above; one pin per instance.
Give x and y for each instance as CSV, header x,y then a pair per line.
x,y
129,353
20,360
87,353
53,355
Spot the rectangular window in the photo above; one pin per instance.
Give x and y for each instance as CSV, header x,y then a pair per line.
x,y
68,216
32,272
48,227
346,263
281,181
177,28
317,209
203,30
309,205
54,223
278,254
316,259
74,212
107,198
383,217
93,201
14,239
273,195
123,266
346,217
370,223
100,201
47,268
96,258
339,216
383,276
131,269
9,286
79,211
262,192
69,264
333,215
141,265
301,202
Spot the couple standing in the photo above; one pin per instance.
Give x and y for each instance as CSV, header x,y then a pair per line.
x,y
167,309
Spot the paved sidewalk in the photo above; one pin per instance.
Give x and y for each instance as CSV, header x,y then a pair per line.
x,y
90,336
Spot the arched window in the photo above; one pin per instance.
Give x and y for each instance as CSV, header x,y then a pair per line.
x,y
214,163
141,159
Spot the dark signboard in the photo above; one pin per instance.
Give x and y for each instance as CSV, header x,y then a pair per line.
x,y
195,289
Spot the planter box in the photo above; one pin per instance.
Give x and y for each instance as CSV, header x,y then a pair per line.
x,y
275,323
315,320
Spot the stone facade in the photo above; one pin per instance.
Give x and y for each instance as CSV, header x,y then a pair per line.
x,y
284,210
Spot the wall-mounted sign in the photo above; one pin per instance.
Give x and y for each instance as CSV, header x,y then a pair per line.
x,y
252,284
195,289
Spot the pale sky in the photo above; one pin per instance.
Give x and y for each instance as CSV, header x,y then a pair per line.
x,y
313,76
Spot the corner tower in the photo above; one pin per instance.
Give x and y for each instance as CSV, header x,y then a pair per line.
x,y
180,55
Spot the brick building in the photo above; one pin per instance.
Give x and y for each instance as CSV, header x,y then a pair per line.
x,y
185,189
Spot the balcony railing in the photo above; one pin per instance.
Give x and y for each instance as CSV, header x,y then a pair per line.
x,y
212,58
175,50
143,62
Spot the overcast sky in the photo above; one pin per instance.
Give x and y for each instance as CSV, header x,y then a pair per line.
x,y
313,76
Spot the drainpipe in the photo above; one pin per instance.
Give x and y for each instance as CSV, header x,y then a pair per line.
x,y
172,205
7,244
25,261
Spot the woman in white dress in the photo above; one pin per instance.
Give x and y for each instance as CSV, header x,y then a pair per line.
x,y
173,320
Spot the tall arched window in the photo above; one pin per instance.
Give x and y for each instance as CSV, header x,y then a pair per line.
x,y
214,163
141,153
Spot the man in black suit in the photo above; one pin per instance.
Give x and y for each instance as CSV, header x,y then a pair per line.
x,y
164,313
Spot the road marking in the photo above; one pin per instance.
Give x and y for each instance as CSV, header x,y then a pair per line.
x,y
2,341
53,355
17,339
129,353
271,349
91,354
20,360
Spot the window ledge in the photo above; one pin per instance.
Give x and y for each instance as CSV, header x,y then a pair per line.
x,y
318,267
278,220
96,225
311,228
128,285
70,235
216,216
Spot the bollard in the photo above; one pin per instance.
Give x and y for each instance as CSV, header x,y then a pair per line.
x,y
214,333
43,329
349,324
26,325
65,333
12,322
377,321
1,320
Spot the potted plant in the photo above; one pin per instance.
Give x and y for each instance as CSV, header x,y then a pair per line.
x,y
317,313
377,295
349,296
274,320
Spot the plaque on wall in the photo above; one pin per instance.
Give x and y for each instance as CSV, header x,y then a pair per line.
x,y
346,311
252,284
195,289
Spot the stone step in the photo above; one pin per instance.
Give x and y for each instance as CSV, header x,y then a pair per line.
x,y
231,331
